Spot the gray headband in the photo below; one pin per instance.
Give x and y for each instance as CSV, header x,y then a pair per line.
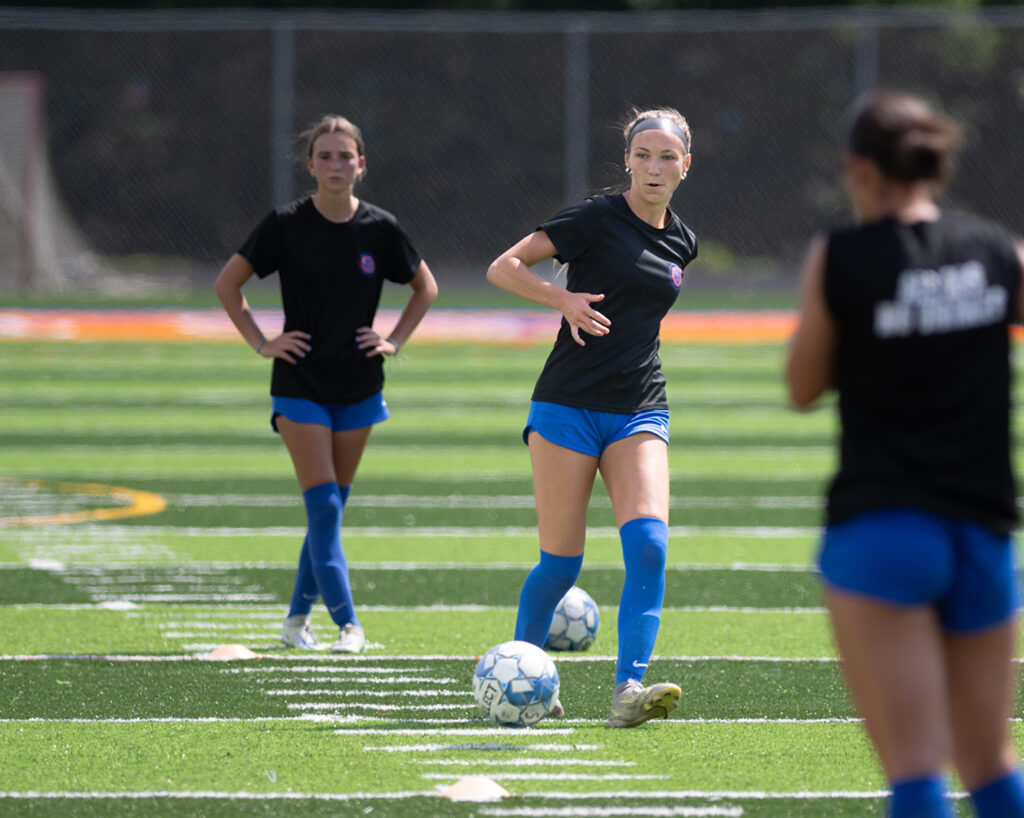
x,y
655,123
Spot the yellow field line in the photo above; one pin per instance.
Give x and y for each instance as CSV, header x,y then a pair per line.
x,y
137,503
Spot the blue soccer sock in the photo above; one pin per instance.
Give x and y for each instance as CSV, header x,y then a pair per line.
x,y
544,586
920,798
1002,798
305,593
644,549
322,555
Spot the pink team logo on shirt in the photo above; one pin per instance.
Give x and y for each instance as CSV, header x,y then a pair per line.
x,y
368,264
677,275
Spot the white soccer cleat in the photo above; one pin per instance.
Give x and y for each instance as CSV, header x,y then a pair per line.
x,y
351,639
633,704
297,633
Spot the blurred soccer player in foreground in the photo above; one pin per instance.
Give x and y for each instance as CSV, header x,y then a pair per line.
x,y
907,316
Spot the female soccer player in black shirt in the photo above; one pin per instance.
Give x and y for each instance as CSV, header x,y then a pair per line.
x,y
599,404
332,253
907,316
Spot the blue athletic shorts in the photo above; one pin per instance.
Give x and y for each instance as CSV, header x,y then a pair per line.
x,y
589,431
338,417
908,556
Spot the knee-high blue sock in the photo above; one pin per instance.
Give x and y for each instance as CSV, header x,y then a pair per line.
x,y
1002,798
544,586
920,798
305,594
644,548
323,512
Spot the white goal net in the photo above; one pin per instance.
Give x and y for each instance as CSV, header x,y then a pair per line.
x,y
40,249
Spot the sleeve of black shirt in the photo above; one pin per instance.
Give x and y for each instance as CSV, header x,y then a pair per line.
x,y
572,230
406,258
262,248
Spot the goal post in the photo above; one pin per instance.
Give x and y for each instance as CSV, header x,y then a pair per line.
x,y
40,248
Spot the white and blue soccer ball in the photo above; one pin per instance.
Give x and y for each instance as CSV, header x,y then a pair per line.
x,y
515,684
575,623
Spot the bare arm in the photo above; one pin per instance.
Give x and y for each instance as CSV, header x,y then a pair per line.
x,y
809,364
511,271
424,291
228,287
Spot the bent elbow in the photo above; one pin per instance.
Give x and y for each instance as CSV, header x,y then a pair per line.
x,y
803,395
801,402
428,291
220,288
494,273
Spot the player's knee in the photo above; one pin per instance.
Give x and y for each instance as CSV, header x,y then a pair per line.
x,y
645,545
561,571
323,505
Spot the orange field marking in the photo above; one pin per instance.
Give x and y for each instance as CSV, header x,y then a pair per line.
x,y
479,326
525,326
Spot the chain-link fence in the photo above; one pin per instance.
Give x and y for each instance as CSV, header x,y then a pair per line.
x,y
169,134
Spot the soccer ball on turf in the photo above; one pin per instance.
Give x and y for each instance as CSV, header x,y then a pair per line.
x,y
515,684
575,623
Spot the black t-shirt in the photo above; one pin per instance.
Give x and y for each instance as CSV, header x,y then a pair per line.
x,y
331,278
923,368
639,268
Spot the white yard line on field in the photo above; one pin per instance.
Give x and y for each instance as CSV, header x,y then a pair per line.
x,y
321,670
296,532
110,657
489,747
303,706
600,812
181,720
452,731
754,795
106,573
559,776
196,598
455,731
207,795
500,501
522,762
320,677
374,693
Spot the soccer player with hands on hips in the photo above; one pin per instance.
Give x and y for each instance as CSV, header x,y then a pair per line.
x,y
599,404
907,316
332,252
